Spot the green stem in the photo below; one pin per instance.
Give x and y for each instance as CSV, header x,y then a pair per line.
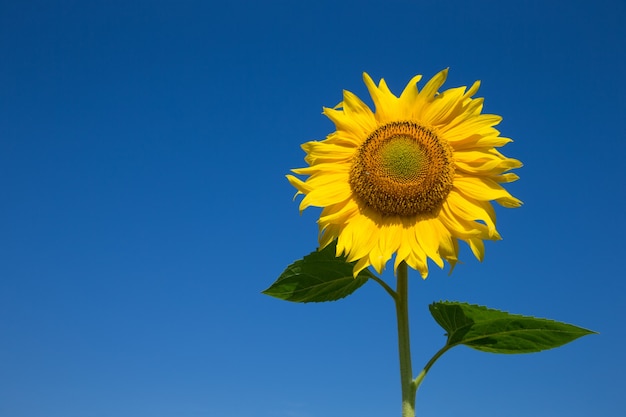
x,y
383,284
430,363
409,387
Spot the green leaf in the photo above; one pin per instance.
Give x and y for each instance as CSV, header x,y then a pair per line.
x,y
319,276
495,331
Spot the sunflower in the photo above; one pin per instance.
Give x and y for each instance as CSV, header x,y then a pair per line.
x,y
412,178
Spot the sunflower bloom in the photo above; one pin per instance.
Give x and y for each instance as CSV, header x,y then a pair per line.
x,y
412,178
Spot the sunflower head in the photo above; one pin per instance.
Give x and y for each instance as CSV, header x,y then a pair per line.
x,y
410,179
402,169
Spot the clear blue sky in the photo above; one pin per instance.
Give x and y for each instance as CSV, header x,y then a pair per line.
x,y
143,148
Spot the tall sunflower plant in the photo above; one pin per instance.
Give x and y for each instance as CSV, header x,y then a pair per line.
x,y
408,181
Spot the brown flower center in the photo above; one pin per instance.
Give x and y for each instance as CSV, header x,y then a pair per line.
x,y
403,169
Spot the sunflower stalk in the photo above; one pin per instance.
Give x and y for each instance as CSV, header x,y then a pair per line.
x,y
409,386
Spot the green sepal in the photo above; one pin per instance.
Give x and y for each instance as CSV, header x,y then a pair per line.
x,y
319,276
496,331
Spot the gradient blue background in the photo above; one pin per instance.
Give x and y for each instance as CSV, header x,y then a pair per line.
x,y
143,148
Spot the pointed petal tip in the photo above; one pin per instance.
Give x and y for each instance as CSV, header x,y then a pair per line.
x,y
359,266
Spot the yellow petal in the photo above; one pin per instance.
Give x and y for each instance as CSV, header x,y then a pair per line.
x,y
384,101
323,152
485,189
355,109
478,248
444,106
350,128
428,236
432,86
476,125
470,209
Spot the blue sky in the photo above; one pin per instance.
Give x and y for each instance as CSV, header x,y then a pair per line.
x,y
143,148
